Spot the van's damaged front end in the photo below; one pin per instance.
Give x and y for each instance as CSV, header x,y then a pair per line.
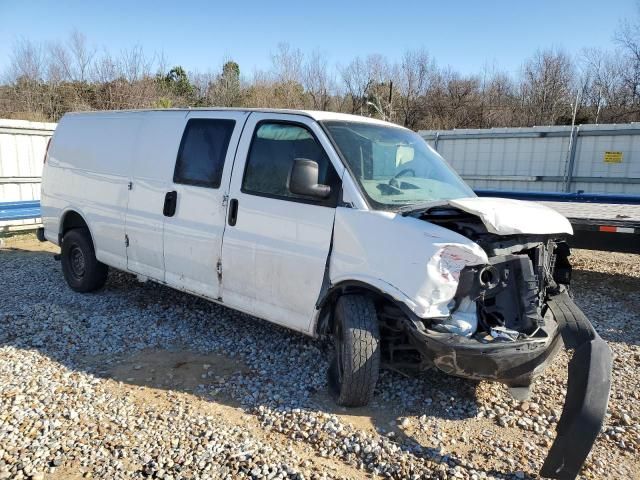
x,y
477,287
509,316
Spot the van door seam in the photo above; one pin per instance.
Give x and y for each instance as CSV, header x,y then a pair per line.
x,y
225,203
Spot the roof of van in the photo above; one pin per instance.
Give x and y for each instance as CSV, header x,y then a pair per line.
x,y
314,114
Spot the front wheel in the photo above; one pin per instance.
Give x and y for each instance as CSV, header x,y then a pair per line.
x,y
82,270
354,369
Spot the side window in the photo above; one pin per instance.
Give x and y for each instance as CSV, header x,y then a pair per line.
x,y
202,152
274,147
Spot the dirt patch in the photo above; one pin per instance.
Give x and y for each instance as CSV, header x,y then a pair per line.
x,y
160,379
28,243
176,370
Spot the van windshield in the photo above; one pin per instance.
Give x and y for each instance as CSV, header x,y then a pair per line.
x,y
395,167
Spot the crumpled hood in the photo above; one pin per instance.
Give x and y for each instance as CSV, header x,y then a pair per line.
x,y
505,216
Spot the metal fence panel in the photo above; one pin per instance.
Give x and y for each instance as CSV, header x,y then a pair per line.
x,y
606,158
22,149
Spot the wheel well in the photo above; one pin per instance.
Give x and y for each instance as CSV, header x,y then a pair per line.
x,y
327,305
393,317
71,220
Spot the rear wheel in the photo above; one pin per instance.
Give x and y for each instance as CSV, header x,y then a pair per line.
x,y
354,369
82,270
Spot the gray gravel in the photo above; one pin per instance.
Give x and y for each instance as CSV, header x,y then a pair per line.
x,y
140,381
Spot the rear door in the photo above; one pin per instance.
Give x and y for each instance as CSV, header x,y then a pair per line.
x,y
195,206
276,243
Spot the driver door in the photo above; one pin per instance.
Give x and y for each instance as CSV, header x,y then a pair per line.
x,y
276,243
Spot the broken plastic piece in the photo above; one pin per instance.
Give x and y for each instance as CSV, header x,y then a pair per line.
x,y
463,321
504,333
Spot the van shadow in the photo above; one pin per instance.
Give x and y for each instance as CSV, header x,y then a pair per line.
x,y
152,336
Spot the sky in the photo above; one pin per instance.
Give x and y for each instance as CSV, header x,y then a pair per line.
x,y
198,35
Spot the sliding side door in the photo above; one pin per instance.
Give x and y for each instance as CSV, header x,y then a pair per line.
x,y
195,202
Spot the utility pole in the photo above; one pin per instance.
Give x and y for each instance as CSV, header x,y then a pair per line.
x,y
390,102
571,154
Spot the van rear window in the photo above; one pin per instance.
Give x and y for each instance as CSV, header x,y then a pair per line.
x,y
202,152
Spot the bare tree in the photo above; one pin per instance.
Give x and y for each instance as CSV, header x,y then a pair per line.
x,y
546,86
81,56
357,80
260,92
415,78
105,69
455,100
26,73
367,84
628,39
317,80
135,64
60,63
499,101
27,62
287,71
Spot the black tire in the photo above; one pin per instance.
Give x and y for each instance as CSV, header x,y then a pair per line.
x,y
354,369
82,270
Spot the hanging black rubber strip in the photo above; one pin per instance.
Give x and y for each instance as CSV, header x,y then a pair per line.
x,y
588,389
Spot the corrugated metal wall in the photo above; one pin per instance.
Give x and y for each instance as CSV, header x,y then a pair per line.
x,y
542,158
22,148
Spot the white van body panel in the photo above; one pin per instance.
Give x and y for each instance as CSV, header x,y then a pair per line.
x,y
275,256
87,171
415,262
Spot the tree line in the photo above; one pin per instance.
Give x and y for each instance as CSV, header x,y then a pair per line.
x,y
43,81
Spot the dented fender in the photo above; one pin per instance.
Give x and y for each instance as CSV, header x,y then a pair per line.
x,y
415,262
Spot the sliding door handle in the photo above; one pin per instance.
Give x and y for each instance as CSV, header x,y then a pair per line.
x,y
233,211
170,202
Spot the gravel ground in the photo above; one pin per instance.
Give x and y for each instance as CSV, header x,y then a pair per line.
x,y
140,381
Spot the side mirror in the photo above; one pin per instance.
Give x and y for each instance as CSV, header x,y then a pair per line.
x,y
303,179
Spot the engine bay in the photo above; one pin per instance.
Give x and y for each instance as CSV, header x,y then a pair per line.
x,y
505,300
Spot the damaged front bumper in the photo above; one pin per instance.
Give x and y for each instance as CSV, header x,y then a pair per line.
x,y
513,363
516,363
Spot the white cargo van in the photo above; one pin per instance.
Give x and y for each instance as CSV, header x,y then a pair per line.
x,y
329,224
